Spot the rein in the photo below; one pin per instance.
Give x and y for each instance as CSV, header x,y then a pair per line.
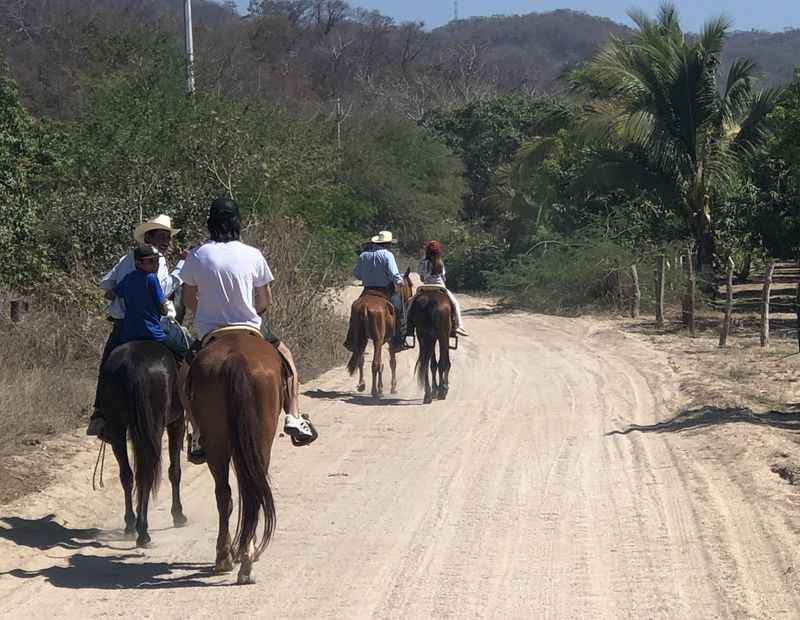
x,y
101,461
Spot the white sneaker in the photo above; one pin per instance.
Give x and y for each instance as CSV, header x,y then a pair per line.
x,y
300,429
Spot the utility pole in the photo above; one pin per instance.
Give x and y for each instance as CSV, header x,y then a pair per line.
x,y
189,40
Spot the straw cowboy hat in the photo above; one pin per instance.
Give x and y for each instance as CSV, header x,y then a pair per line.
x,y
383,237
161,222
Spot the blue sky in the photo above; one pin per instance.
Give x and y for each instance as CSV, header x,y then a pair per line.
x,y
765,15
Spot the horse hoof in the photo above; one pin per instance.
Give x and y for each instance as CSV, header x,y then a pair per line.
x,y
225,566
130,533
245,580
362,387
179,520
427,400
143,542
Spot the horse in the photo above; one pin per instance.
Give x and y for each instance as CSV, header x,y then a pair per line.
x,y
236,388
431,315
372,317
139,398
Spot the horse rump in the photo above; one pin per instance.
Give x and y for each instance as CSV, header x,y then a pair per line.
x,y
255,494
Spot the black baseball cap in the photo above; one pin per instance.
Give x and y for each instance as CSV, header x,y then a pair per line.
x,y
143,251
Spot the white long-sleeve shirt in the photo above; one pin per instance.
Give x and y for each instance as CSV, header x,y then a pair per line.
x,y
170,282
424,271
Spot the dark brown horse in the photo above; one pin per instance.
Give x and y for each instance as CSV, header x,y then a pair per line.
x,y
236,387
430,316
139,398
373,317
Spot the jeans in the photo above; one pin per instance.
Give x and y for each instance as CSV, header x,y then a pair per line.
x,y
113,341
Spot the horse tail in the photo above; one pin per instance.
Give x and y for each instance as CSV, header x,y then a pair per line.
x,y
426,343
358,327
149,396
245,423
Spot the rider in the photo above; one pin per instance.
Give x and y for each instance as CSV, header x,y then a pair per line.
x,y
377,270
432,272
156,232
226,282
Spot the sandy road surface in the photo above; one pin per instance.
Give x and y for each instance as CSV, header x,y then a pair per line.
x,y
516,498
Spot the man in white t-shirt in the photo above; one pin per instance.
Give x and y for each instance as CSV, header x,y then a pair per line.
x,y
226,282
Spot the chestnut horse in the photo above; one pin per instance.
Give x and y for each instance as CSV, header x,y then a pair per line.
x,y
372,317
235,387
431,315
138,396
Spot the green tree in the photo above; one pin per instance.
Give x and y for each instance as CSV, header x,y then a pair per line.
x,y
658,91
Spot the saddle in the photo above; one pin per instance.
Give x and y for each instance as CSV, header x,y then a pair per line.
x,y
381,294
229,329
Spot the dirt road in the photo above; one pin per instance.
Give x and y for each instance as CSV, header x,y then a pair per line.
x,y
526,495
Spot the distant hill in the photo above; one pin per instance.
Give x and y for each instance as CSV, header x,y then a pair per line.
x,y
537,48
314,51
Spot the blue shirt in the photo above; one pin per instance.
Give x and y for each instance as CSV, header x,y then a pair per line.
x,y
377,267
170,282
143,297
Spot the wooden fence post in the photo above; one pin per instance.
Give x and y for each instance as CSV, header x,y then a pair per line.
x,y
797,311
661,267
689,298
726,322
636,303
14,311
765,303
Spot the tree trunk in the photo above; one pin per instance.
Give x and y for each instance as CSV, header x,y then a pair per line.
x,y
726,323
765,294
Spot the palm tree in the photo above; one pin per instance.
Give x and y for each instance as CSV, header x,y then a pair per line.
x,y
658,92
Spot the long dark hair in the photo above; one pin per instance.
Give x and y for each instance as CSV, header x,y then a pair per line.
x,y
433,253
224,221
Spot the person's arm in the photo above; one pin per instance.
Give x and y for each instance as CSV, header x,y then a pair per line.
x,y
357,271
158,293
110,295
112,278
392,270
262,298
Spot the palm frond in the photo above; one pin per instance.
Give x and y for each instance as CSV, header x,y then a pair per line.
x,y
754,127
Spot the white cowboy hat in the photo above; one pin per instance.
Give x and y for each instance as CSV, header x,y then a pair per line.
x,y
161,222
384,237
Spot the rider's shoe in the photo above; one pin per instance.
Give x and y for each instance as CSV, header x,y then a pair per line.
x,y
300,429
461,331
195,454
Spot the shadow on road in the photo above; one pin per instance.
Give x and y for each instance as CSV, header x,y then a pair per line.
x,y
361,399
716,416
114,573
93,571
45,533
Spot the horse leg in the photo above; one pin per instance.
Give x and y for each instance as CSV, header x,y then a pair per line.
x,y
393,367
377,368
175,433
361,383
434,365
143,539
245,576
425,352
219,469
444,367
120,448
